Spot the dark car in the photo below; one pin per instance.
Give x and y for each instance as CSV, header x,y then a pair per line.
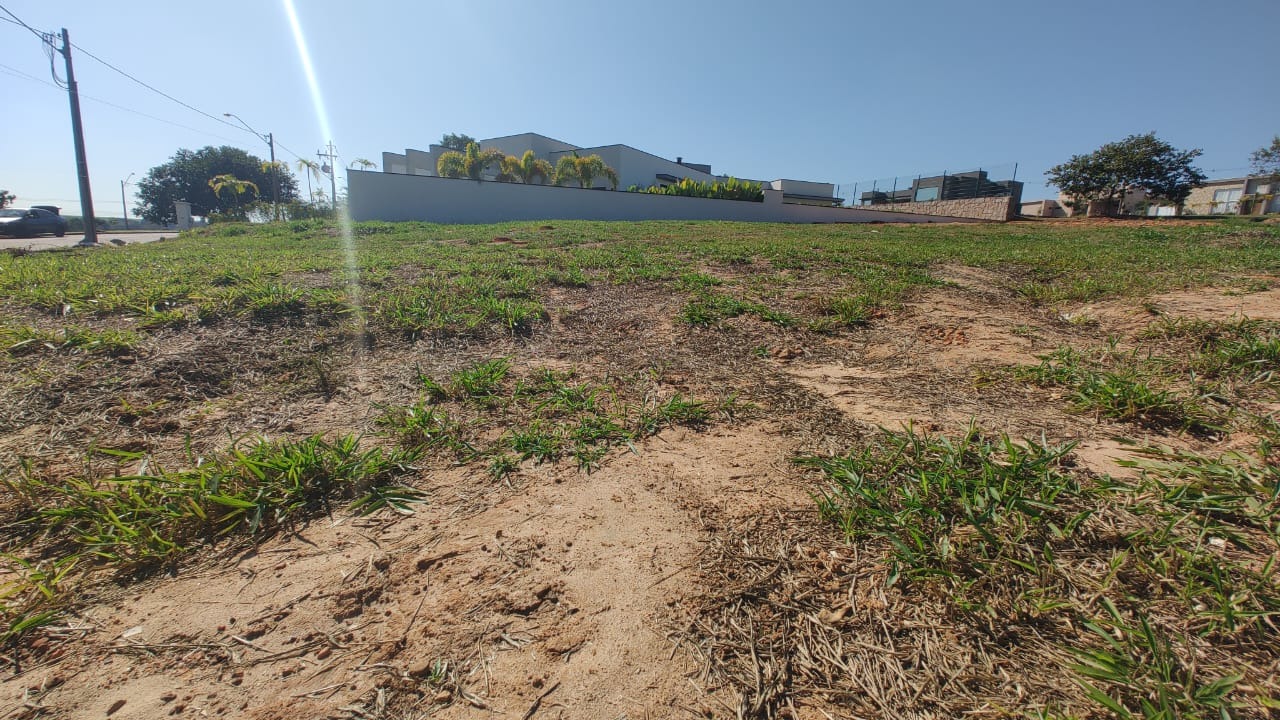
x,y
32,222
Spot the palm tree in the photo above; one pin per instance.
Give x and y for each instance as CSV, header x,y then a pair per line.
x,y
310,168
525,169
364,163
238,187
584,170
472,164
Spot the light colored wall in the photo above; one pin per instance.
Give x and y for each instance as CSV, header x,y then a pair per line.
x,y
421,162
636,167
804,187
1200,201
996,209
541,145
394,163
1042,208
393,198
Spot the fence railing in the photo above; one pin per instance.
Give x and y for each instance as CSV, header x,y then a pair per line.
x,y
998,180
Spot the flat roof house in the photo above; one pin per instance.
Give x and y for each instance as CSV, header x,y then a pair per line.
x,y
1252,195
634,166
960,186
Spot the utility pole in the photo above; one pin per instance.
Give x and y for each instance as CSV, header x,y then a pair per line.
x,y
275,176
124,205
270,140
329,167
77,131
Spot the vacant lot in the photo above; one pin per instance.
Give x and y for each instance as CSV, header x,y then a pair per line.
x,y
604,470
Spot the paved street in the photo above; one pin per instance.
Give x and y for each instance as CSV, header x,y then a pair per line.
x,y
104,239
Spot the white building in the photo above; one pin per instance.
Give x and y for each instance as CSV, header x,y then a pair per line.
x,y
634,167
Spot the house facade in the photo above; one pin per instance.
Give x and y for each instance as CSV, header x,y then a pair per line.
x,y
1253,195
957,186
633,166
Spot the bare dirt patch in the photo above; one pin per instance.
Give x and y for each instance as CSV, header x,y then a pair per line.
x,y
669,581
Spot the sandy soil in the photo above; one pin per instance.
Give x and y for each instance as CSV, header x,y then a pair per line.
x,y
556,595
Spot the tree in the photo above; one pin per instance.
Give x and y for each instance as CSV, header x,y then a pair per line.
x,y
584,170
310,169
364,164
1266,159
228,183
456,142
471,164
6,198
1139,162
524,169
186,177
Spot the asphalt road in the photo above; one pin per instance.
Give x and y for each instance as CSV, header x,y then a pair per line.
x,y
104,239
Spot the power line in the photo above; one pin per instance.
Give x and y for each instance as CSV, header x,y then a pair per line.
x,y
18,21
18,73
174,99
46,39
155,90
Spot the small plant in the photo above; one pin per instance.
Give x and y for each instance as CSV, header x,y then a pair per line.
x,y
480,382
1147,677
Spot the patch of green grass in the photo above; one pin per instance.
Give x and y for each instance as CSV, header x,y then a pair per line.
x,y
1146,677
708,308
139,522
544,416
1163,589
1127,398
1123,387
23,340
959,509
461,284
481,381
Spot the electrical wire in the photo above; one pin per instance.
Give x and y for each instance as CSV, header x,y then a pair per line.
x,y
18,21
18,73
49,49
174,99
156,90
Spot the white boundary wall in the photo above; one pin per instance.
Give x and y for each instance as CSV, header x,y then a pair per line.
x,y
395,198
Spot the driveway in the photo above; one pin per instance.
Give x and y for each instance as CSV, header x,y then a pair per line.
x,y
105,239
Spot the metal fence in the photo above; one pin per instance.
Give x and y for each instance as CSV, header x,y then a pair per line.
x,y
1000,180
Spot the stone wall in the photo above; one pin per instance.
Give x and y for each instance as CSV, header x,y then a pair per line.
x,y
994,208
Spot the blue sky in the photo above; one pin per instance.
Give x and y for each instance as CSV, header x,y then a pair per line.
x,y
833,91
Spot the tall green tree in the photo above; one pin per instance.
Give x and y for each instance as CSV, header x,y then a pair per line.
x,y
1266,159
524,169
6,198
469,164
583,170
458,142
186,177
1138,162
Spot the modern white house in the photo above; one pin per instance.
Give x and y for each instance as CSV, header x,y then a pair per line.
x,y
634,167
408,188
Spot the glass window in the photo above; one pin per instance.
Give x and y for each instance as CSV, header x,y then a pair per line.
x,y
926,193
1226,202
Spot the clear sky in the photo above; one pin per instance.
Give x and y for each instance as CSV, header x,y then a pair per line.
x,y
834,91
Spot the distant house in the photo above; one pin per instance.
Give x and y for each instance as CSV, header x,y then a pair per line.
x,y
958,186
1253,195
634,167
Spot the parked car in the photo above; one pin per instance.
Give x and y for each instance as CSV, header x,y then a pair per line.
x,y
31,222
